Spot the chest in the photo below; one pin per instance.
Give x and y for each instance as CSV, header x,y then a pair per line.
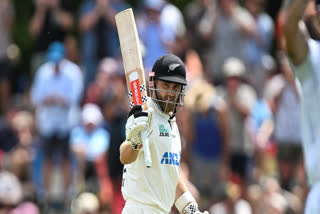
x,y
165,142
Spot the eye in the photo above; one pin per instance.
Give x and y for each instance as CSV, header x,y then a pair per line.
x,y
176,87
166,85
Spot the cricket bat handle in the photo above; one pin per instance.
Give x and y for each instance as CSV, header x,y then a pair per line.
x,y
146,149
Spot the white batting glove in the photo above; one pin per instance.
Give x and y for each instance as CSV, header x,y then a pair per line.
x,y
192,208
138,121
187,205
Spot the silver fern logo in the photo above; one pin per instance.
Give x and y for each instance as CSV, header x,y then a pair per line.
x,y
173,66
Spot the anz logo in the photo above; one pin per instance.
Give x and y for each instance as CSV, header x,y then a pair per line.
x,y
171,158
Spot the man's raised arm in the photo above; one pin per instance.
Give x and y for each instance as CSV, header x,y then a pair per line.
x,y
296,41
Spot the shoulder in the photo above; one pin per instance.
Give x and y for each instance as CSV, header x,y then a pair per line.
x,y
243,14
246,95
265,20
77,134
44,70
72,68
71,65
77,130
102,132
304,70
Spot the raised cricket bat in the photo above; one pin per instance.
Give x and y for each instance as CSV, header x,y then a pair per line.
x,y
133,67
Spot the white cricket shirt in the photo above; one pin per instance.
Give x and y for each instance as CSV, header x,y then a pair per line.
x,y
309,89
155,186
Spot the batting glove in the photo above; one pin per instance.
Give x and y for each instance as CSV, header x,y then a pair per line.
x,y
187,205
138,121
192,208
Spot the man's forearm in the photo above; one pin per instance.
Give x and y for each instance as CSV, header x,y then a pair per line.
x,y
37,22
127,153
89,20
181,188
184,201
64,18
294,9
296,42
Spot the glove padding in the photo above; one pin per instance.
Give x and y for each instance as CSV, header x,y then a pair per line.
x,y
138,121
192,208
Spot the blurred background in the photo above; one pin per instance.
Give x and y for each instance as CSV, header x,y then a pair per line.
x,y
64,104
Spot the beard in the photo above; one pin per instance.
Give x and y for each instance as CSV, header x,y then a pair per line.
x,y
167,107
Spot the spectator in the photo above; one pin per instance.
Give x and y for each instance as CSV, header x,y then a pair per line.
x,y
240,98
56,91
21,156
6,23
72,49
51,21
259,44
210,143
198,14
89,142
260,126
156,37
281,90
115,114
172,17
108,70
228,32
99,34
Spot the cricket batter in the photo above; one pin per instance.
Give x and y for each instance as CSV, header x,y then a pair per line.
x,y
154,190
305,56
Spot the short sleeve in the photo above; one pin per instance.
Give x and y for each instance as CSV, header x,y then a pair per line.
x,y
303,71
76,137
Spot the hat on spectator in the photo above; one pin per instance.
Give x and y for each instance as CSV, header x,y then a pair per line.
x,y
86,202
154,4
233,67
91,114
200,94
10,189
22,120
110,66
56,52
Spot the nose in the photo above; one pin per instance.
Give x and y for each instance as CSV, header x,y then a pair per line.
x,y
172,95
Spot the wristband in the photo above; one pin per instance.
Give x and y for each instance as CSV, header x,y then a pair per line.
x,y
183,201
135,146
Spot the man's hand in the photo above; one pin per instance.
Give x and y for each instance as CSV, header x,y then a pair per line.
x,y
41,5
53,4
102,6
138,121
192,208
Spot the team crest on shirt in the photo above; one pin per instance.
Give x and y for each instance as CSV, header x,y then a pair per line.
x,y
163,131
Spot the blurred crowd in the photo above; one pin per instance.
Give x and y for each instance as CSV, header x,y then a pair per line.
x,y
240,125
